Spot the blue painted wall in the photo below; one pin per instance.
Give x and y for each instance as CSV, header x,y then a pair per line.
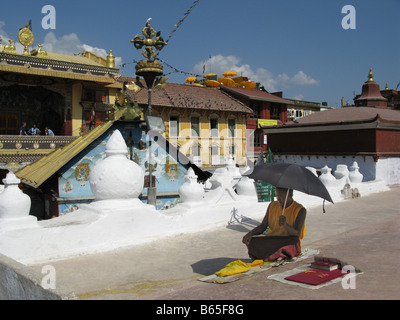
x,y
73,182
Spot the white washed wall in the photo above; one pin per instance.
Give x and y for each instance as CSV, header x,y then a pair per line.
x,y
387,169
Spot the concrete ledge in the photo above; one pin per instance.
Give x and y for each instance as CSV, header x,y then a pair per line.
x,y
19,282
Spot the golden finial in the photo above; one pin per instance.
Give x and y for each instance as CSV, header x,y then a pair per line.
x,y
342,102
370,75
110,60
386,87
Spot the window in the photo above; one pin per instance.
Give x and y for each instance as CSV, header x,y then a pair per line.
x,y
195,150
214,127
93,119
101,117
215,150
101,96
195,126
174,126
256,107
258,138
215,157
232,150
275,112
94,95
231,127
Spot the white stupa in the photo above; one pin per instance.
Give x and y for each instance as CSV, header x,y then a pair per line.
x,y
14,206
116,178
191,192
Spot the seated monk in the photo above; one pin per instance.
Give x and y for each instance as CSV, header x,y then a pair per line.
x,y
282,239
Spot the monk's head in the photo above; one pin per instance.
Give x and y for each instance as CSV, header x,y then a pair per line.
x,y
281,196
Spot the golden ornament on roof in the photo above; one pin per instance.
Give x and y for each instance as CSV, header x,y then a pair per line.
x,y
26,38
149,42
370,75
10,48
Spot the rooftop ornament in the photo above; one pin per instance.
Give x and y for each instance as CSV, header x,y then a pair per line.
x,y
149,69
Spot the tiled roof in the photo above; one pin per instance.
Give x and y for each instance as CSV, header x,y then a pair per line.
x,y
339,118
72,59
187,96
351,114
252,94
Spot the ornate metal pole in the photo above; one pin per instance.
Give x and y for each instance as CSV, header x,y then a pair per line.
x,y
149,69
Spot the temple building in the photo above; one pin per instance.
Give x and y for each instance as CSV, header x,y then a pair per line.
x,y
66,93
371,95
368,133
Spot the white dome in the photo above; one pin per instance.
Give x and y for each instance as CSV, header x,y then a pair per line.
x,y
116,177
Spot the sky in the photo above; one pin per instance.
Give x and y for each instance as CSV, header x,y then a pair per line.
x,y
303,48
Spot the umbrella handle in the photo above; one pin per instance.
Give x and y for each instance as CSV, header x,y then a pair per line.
x,y
284,206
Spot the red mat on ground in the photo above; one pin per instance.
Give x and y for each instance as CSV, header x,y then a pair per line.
x,y
315,276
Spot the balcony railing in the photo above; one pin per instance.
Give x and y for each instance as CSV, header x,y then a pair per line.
x,y
20,143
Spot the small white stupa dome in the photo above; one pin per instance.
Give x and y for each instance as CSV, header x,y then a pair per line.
x,y
191,191
13,202
116,177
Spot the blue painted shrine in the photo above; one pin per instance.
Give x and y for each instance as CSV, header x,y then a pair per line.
x,y
168,168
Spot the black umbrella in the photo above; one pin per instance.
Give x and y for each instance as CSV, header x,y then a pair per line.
x,y
290,176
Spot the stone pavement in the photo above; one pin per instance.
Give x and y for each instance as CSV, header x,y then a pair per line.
x,y
364,232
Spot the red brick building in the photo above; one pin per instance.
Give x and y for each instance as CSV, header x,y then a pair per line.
x,y
368,133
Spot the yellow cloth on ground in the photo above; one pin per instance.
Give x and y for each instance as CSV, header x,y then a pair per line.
x,y
291,212
236,267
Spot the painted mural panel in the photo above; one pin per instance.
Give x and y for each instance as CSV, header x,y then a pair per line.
x,y
168,174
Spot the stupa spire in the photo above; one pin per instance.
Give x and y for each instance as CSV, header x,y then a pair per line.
x,y
370,75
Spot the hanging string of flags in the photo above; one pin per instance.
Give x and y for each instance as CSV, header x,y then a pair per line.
x,y
176,26
175,70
